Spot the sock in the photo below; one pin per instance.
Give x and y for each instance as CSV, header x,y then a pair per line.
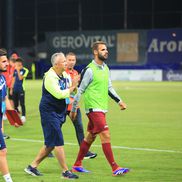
x,y
106,147
7,178
84,147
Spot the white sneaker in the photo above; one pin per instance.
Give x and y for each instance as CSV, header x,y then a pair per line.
x,y
4,117
23,119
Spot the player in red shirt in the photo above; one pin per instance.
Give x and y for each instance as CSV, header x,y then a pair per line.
x,y
9,77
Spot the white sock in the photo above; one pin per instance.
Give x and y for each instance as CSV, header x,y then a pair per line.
x,y
7,178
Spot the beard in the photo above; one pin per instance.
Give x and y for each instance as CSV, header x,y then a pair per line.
x,y
102,58
3,70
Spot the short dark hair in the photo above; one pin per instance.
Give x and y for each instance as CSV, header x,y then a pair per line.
x,y
12,59
96,44
19,60
3,52
71,54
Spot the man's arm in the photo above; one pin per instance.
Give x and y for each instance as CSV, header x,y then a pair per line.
x,y
26,72
8,105
12,85
115,96
86,79
51,85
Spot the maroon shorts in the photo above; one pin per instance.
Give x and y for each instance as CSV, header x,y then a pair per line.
x,y
97,122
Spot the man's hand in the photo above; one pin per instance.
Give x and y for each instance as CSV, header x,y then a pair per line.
x,y
11,91
17,125
72,116
75,80
17,68
122,105
74,83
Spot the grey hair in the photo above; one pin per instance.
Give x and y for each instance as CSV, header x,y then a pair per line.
x,y
53,57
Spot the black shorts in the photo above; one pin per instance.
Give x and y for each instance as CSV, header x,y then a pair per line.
x,y
10,97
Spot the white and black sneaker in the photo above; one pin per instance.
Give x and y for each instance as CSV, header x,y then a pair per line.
x,y
90,155
69,175
6,136
32,171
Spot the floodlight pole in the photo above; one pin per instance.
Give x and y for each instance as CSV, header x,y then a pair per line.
x,y
125,14
9,39
153,9
79,15
35,29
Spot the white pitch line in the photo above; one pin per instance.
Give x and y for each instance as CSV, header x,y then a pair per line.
x,y
116,147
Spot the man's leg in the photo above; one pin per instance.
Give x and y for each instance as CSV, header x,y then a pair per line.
x,y
4,166
79,127
106,146
15,100
2,128
60,155
32,169
43,153
84,148
80,133
10,98
3,160
22,102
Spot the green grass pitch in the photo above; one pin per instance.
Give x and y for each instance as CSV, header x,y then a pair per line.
x,y
147,137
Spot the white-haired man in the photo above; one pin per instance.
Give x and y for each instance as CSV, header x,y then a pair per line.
x,y
55,94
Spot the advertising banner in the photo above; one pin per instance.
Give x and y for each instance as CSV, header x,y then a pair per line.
x,y
136,75
164,47
124,47
128,49
172,75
